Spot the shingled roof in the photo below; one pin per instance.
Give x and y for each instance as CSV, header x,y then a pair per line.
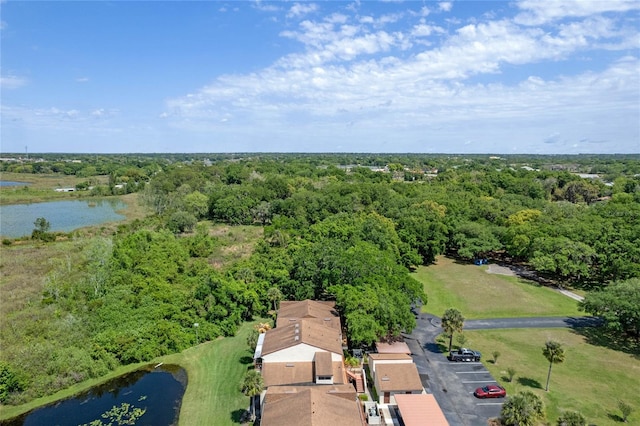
x,y
397,378
298,373
312,334
310,310
314,406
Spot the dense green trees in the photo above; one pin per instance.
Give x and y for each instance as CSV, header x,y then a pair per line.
x,y
331,231
618,305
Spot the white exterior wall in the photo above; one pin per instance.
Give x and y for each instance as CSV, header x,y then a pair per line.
x,y
298,353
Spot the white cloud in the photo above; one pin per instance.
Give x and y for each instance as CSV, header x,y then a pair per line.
x,y
82,79
8,82
535,12
261,6
445,6
425,30
300,9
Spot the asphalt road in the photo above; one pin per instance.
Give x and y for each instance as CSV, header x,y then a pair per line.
x,y
453,383
538,322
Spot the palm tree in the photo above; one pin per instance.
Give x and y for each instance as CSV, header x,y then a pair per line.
x,y
554,353
252,386
452,321
523,409
275,295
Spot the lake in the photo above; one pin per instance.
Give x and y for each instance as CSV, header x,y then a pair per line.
x,y
18,220
159,391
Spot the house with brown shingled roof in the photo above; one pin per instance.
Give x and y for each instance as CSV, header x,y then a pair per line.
x,y
391,379
318,312
311,406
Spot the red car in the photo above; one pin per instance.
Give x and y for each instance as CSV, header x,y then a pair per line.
x,y
491,391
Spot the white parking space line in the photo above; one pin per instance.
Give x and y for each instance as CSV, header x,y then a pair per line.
x,y
478,381
472,372
490,403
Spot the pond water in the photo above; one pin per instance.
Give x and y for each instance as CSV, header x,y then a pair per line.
x,y
157,390
12,183
18,220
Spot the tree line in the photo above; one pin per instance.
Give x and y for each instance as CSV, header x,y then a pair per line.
x,y
345,233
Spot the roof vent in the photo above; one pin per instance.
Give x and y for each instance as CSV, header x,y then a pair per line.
x,y
385,379
297,338
290,365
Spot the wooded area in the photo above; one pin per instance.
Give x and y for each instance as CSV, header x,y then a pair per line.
x,y
342,227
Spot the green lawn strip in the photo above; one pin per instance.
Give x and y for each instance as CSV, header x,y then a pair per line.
x,y
591,380
214,371
478,294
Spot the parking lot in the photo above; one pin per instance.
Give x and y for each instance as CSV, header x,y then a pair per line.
x,y
452,383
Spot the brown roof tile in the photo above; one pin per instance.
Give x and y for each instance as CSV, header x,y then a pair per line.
x,y
323,364
312,334
320,312
389,356
297,373
420,409
397,378
314,406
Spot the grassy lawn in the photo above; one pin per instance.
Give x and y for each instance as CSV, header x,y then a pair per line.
x,y
591,380
214,371
478,294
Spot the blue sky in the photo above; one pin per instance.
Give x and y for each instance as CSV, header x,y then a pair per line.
x,y
509,77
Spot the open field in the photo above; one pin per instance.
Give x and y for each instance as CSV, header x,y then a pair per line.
x,y
214,371
477,294
42,187
591,380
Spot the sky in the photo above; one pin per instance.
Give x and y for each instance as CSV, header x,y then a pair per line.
x,y
503,77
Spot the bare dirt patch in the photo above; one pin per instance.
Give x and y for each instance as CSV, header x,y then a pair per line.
x,y
500,270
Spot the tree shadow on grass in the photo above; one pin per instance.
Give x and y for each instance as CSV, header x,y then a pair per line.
x,y
240,416
246,360
532,383
615,417
600,336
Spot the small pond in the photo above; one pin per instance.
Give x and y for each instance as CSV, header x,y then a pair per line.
x,y
157,390
12,183
17,220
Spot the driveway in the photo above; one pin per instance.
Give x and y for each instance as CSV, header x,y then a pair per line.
x,y
453,383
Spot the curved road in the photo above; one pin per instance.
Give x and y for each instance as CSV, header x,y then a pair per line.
x,y
452,383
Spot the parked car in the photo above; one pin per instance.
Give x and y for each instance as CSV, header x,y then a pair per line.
x,y
464,354
491,391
